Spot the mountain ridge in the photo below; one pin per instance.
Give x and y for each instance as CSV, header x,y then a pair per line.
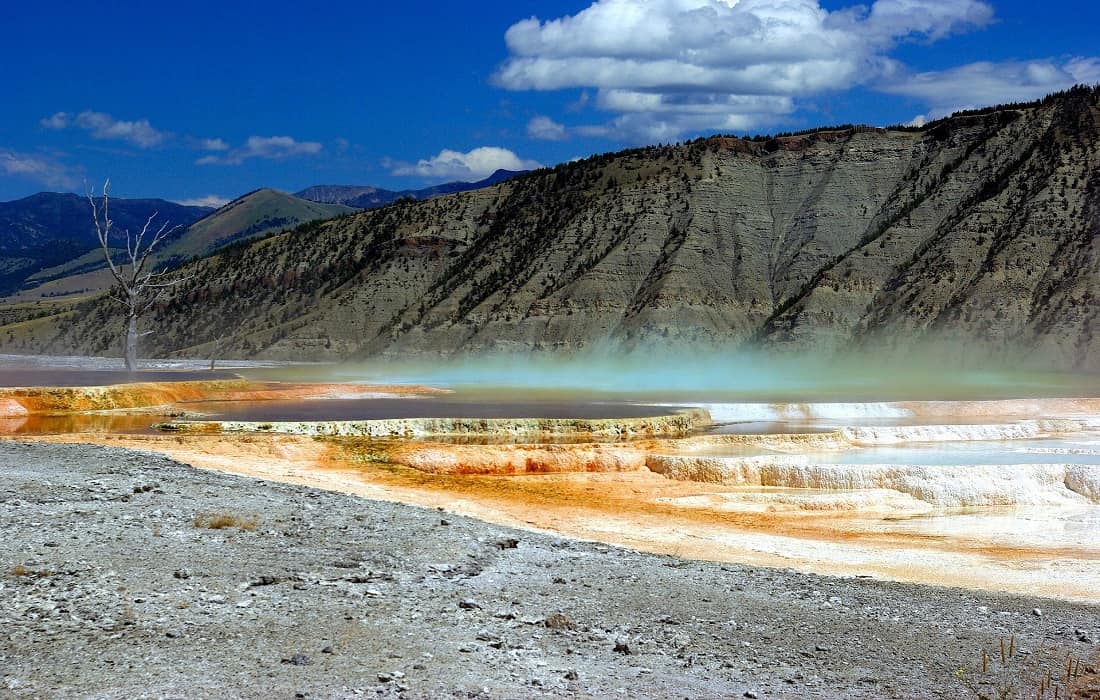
x,y
981,232
251,215
370,197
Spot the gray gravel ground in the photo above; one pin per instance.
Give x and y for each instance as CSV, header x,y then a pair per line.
x,y
108,588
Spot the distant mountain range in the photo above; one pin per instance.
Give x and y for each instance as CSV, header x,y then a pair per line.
x,y
368,197
48,245
48,229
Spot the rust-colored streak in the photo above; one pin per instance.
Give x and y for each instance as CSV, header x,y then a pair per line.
x,y
634,508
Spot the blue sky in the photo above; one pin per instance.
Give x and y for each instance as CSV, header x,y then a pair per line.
x,y
205,101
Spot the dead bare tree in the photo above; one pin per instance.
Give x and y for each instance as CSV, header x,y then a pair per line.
x,y
215,352
135,288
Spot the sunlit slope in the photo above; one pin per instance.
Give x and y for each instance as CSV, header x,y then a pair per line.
x,y
980,231
250,216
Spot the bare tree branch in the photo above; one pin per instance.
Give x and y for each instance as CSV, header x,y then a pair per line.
x,y
104,232
133,286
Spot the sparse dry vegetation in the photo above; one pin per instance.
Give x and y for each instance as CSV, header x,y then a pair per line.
x,y
225,521
1009,673
21,571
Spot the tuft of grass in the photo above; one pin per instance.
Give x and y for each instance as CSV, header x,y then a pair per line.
x,y
225,521
21,571
1005,674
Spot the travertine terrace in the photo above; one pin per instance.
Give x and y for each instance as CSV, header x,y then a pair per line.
x,y
667,484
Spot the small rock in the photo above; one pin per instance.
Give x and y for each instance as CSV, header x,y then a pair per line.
x,y
508,543
267,581
571,675
750,694
469,604
622,645
444,522
298,660
1037,612
328,650
557,621
182,574
385,677
822,647
173,634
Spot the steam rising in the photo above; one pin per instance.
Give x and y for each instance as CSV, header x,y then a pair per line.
x,y
746,376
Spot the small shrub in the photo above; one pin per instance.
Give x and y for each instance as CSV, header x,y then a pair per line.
x,y
22,571
224,521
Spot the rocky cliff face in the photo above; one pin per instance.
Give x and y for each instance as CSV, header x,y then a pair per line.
x,y
981,230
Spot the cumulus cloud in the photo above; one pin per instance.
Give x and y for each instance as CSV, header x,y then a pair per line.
x,y
471,166
105,127
211,200
267,147
985,83
668,66
35,168
546,129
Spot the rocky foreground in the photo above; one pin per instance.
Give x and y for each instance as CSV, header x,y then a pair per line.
x,y
127,575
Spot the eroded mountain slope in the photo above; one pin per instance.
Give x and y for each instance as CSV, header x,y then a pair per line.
x,y
981,229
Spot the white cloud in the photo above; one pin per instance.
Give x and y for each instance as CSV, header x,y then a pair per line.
x,y
471,166
988,83
268,147
933,19
669,66
210,200
59,120
213,145
546,129
105,127
36,168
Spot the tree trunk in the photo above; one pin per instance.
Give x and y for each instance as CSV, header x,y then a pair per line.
x,y
131,344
